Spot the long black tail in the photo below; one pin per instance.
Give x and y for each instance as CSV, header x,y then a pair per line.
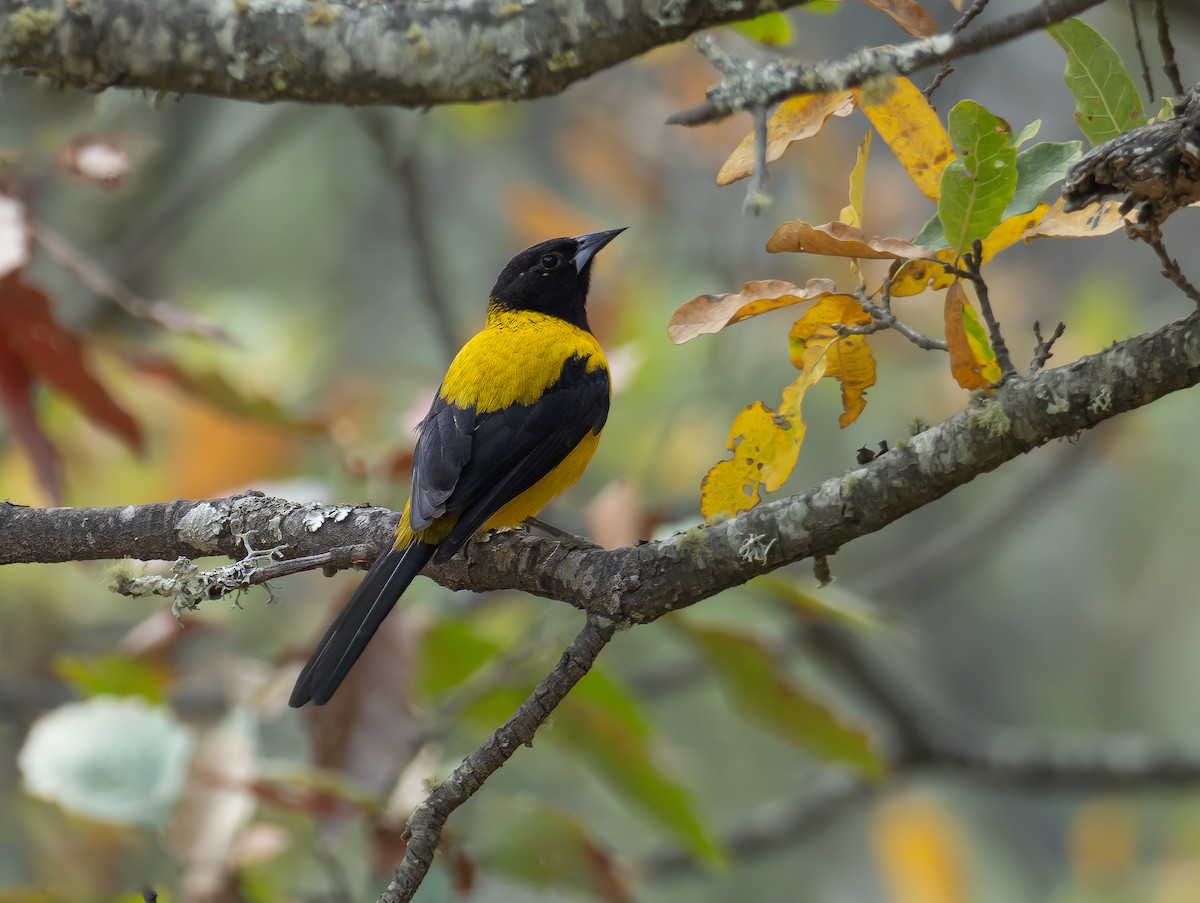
x,y
357,622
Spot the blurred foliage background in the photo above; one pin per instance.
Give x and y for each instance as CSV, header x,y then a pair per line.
x,y
347,253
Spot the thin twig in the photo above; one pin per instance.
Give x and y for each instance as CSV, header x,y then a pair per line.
x,y
963,21
757,199
425,825
1141,50
744,86
883,318
973,262
1151,234
1167,49
1043,353
93,275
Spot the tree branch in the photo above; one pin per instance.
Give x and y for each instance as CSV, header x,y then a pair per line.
x,y
346,51
750,85
639,585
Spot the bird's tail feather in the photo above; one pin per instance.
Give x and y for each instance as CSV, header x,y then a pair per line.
x,y
357,622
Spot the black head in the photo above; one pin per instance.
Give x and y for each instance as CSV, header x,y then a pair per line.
x,y
552,277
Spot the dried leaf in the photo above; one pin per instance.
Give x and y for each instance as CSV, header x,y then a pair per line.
x,y
973,367
706,314
57,357
910,126
796,119
909,15
841,240
852,213
1099,219
848,359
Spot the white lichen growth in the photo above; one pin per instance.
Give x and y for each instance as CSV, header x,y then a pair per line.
x,y
754,549
1103,400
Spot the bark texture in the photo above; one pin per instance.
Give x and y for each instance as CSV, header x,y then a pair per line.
x,y
346,51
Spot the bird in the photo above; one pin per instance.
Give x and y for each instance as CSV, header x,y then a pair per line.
x,y
515,421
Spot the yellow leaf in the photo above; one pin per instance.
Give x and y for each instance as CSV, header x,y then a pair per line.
x,y
919,852
972,361
852,214
1090,221
911,128
848,359
841,240
915,276
706,314
762,450
796,119
909,15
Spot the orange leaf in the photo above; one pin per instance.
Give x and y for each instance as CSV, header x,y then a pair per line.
x,y
915,276
841,240
968,363
848,359
909,15
911,128
55,355
706,314
796,119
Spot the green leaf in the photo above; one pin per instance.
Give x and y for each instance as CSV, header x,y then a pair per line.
x,y
602,723
977,186
770,29
1166,110
1038,168
1029,132
761,692
932,235
110,675
977,338
113,760
544,846
1106,100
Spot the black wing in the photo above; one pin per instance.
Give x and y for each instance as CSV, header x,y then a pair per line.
x,y
474,474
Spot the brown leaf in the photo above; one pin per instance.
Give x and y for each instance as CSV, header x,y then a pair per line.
x,y
57,357
796,119
842,240
706,314
909,15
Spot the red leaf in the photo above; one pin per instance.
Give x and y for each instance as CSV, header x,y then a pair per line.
x,y
56,356
16,395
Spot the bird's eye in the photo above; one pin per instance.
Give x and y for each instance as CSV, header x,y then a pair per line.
x,y
549,261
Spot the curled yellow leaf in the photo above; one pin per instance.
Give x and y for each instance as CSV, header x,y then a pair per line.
x,y
848,359
796,118
841,240
910,126
706,314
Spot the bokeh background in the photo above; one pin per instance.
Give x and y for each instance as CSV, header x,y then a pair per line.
x,y
347,253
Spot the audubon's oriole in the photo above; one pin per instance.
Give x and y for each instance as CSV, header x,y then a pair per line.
x,y
515,422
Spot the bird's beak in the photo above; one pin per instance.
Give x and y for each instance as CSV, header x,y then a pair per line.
x,y
589,244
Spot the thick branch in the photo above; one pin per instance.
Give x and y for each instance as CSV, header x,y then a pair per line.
x,y
747,86
640,585
346,51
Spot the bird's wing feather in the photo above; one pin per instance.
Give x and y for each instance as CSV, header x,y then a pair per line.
x,y
509,451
